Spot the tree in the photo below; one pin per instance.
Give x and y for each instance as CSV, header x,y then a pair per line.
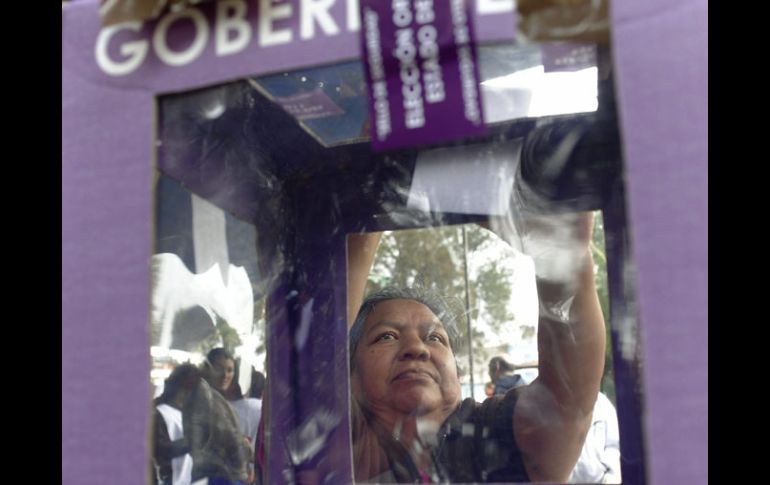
x,y
259,329
600,266
230,338
435,258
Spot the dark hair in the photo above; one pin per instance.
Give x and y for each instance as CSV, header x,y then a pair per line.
x,y
438,305
215,354
218,353
499,364
184,376
257,384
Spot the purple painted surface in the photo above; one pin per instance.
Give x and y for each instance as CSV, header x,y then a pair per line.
x,y
107,207
628,360
284,48
496,27
662,73
421,71
285,45
107,229
106,236
279,396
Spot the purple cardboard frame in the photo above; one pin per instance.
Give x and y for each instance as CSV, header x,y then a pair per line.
x,y
662,76
107,171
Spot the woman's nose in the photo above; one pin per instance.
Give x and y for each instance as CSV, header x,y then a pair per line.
x,y
413,347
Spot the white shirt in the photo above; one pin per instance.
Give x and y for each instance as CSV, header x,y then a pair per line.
x,y
181,466
249,411
599,460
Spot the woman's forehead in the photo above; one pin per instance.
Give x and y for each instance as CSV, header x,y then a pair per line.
x,y
403,306
223,361
401,312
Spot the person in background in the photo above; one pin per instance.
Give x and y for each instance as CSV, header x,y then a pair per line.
x,y
219,371
171,450
489,389
409,423
502,374
222,375
258,382
599,461
196,433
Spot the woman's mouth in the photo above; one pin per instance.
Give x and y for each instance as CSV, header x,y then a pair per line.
x,y
413,374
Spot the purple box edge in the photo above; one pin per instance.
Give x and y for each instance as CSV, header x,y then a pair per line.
x,y
102,182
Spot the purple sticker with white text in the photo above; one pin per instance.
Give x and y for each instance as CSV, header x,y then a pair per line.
x,y
420,63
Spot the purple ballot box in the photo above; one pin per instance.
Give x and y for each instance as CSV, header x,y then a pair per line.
x,y
224,154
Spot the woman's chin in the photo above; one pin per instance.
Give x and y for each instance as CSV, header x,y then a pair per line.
x,y
417,404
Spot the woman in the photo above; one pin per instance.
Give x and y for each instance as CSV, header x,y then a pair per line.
x,y
171,449
502,374
222,375
409,421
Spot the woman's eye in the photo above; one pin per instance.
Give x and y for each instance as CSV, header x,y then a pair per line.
x,y
386,336
434,337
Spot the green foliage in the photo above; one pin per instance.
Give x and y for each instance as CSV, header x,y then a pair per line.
x,y
600,263
435,258
424,257
258,325
230,338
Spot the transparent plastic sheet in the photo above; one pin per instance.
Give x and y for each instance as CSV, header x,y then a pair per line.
x,y
517,81
272,198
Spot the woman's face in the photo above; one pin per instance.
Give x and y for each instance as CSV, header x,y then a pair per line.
x,y
404,363
223,370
